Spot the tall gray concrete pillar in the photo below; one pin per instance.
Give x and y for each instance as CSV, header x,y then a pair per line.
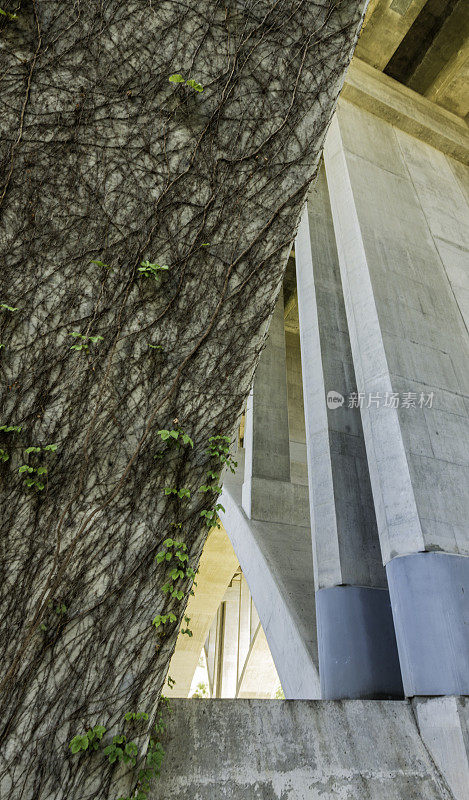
x,y
267,491
400,215
356,641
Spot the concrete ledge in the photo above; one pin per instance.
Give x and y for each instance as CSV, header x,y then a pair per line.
x,y
410,112
430,604
297,750
276,501
357,644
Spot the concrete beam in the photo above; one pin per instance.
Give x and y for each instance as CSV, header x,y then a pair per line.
x,y
385,26
276,560
344,532
443,74
408,111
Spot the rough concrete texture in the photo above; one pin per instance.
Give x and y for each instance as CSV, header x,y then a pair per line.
x,y
299,750
444,728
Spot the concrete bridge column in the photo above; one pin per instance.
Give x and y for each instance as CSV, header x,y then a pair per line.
x,y
356,641
267,520
266,436
400,211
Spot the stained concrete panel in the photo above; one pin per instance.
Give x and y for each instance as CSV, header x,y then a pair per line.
x,y
444,727
300,750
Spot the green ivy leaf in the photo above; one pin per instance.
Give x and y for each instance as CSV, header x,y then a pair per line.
x,y
194,85
7,14
99,263
176,78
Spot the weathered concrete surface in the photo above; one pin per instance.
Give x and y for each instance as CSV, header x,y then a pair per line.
x,y
298,750
444,728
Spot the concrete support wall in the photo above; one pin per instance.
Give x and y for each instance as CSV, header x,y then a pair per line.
x,y
383,294
357,647
400,219
350,750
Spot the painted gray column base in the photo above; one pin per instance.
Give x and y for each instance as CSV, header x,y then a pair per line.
x,y
357,645
430,603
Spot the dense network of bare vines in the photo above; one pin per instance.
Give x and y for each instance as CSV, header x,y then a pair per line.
x,y
108,166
